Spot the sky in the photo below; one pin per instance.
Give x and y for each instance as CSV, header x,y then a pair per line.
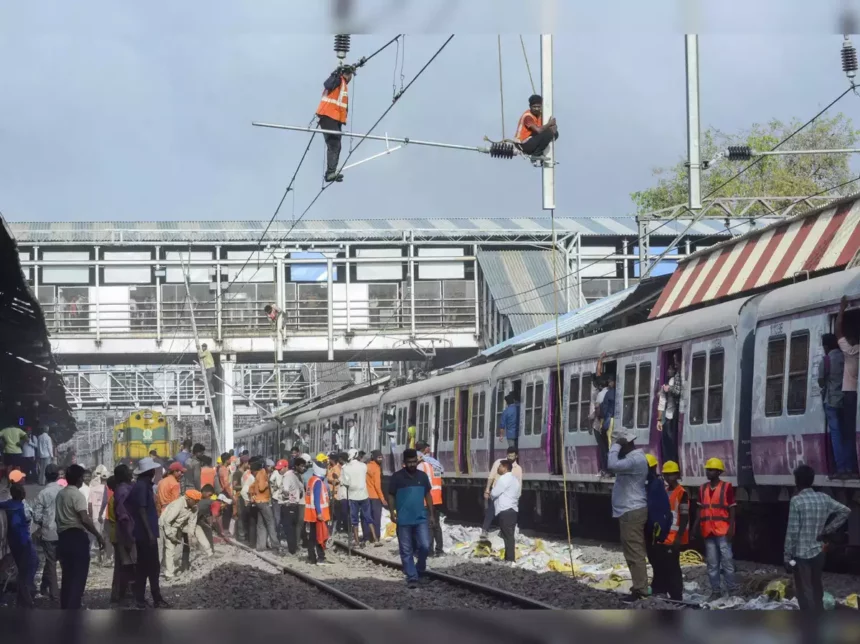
x,y
124,111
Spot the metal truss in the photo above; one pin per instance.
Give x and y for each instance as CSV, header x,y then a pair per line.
x,y
739,208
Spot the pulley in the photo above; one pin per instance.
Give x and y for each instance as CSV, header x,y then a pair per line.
x,y
341,45
502,150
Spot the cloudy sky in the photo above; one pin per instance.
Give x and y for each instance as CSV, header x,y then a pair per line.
x,y
123,110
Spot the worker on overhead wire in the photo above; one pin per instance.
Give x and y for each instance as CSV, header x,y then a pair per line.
x,y
332,113
533,137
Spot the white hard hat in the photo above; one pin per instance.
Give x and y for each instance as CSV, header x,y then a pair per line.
x,y
352,454
145,465
101,471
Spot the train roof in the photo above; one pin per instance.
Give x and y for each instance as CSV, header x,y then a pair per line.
x,y
262,428
456,378
819,291
713,319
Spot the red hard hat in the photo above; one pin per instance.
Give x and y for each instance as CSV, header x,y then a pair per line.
x,y
281,464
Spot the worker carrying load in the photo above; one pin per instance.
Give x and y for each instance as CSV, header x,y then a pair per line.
x,y
533,137
332,112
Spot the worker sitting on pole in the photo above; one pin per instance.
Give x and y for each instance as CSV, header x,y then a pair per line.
x,y
533,137
332,113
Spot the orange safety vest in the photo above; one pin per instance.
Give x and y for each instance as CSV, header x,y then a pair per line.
x,y
714,511
335,103
310,508
675,505
207,476
523,132
435,482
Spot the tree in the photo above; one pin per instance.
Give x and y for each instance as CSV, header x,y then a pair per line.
x,y
789,176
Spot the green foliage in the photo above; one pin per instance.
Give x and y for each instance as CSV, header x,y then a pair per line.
x,y
789,176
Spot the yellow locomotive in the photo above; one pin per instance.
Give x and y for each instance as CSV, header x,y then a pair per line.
x,y
143,431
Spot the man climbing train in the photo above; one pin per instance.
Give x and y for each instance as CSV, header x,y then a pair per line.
x,y
533,136
332,113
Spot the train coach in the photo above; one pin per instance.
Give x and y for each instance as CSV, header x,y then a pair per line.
x,y
750,397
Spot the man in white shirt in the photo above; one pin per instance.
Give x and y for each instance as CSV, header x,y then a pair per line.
x,y
46,453
506,498
28,452
293,508
353,482
489,509
630,505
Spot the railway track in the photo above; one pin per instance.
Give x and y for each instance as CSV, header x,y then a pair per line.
x,y
481,596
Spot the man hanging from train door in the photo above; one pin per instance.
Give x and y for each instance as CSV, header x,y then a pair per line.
x,y
668,409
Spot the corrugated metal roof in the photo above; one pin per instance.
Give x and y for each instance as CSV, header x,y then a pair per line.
x,y
819,240
567,323
522,284
238,231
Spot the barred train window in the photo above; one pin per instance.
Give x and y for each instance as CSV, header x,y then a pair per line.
x,y
798,365
715,386
537,427
643,402
584,402
697,389
530,396
629,400
775,376
573,407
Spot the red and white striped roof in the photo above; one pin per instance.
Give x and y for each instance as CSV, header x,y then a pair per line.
x,y
821,239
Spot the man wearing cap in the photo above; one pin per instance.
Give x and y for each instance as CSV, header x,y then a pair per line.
x,y
630,505
141,506
169,487
668,553
45,518
716,520
73,544
179,518
533,137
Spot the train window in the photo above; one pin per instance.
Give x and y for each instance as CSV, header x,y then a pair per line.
x,y
697,389
775,376
401,426
584,403
643,401
715,387
445,420
629,400
537,427
478,414
473,430
423,421
500,404
573,407
451,418
482,415
798,365
530,401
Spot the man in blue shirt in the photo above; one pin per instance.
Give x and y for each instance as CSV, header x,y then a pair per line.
x,y
21,545
411,506
510,420
141,505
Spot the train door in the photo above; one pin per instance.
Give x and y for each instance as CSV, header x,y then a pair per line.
x,y
532,447
463,421
497,405
446,443
412,424
583,452
555,422
478,444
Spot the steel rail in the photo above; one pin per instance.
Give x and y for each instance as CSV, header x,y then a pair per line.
x,y
349,600
524,602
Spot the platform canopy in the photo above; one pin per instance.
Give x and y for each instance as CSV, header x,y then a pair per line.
x,y
814,242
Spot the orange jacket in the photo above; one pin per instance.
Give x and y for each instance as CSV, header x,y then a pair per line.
x,y
335,103
207,476
714,510
166,492
310,508
374,481
675,497
523,132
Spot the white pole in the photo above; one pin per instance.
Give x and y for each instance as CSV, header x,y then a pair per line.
x,y
694,153
546,92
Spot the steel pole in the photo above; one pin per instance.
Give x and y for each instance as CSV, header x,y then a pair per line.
x,y
548,171
694,153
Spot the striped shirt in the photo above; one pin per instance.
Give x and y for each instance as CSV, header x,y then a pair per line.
x,y
808,516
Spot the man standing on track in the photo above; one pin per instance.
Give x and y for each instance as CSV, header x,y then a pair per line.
x,y
374,490
355,485
411,506
716,519
506,498
317,513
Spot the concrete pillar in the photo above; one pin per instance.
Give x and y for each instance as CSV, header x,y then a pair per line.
x,y
228,363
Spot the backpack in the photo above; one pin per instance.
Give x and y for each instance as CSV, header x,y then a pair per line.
x,y
659,511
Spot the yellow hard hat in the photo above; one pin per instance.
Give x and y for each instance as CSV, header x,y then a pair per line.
x,y
652,460
671,467
218,461
714,464
321,457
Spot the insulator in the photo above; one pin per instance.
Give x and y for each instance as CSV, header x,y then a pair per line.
x,y
341,45
502,150
739,153
849,59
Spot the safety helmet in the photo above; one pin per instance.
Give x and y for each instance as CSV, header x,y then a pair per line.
x,y
352,454
652,460
321,457
714,464
671,467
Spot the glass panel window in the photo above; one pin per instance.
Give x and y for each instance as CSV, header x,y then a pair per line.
x,y
573,407
697,389
629,399
482,401
798,366
530,395
775,377
715,387
537,427
500,406
473,431
643,401
585,403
